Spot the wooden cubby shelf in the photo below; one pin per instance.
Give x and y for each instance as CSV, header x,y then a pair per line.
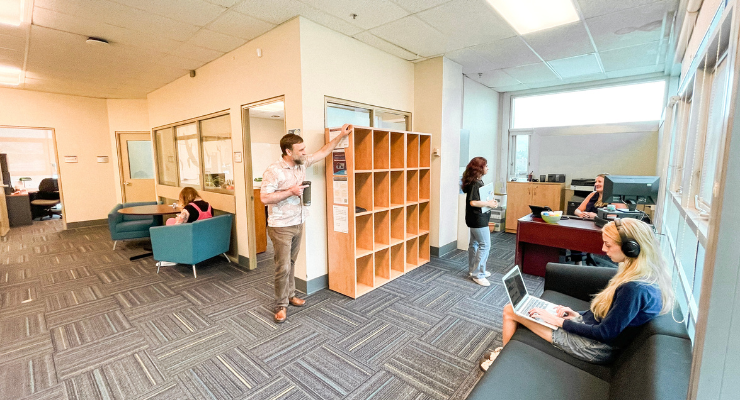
x,y
388,177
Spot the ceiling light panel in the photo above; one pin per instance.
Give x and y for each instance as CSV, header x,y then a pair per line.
x,y
10,76
527,16
11,12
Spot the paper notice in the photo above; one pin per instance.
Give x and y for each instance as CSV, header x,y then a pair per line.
x,y
341,219
341,194
344,143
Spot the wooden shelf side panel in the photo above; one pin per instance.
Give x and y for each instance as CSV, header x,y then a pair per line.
x,y
425,151
398,188
381,150
364,190
412,185
398,219
424,249
397,258
383,265
425,184
398,150
365,272
424,217
382,189
365,239
363,146
412,150
412,254
382,231
412,220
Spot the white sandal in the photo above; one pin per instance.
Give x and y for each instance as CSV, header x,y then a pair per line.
x,y
489,358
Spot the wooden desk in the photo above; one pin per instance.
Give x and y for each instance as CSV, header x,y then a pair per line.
x,y
538,242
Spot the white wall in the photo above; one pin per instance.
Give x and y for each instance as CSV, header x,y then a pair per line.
x,y
338,66
265,134
124,116
81,128
481,119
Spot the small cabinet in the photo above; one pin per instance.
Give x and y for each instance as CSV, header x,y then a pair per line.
x,y
520,195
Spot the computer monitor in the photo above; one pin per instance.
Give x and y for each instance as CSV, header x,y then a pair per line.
x,y
631,190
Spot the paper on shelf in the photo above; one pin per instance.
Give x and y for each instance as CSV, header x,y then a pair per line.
x,y
341,194
341,219
344,143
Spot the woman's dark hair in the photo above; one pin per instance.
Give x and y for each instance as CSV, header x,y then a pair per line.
x,y
474,171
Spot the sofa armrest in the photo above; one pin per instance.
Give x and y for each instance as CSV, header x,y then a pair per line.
x,y
173,243
114,217
581,282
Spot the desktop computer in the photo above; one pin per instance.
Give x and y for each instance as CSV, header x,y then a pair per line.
x,y
630,190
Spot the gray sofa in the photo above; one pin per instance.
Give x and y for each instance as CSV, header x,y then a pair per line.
x,y
654,362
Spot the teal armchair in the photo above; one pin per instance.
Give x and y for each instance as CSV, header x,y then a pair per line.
x,y
124,227
192,243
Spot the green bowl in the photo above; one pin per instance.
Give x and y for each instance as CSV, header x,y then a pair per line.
x,y
551,219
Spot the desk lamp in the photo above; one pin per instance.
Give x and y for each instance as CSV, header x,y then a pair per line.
x,y
23,180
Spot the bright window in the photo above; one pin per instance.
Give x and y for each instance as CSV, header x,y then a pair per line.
x,y
188,155
714,133
614,104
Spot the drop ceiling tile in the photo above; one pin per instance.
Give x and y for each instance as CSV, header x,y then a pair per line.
x,y
630,57
390,48
627,28
497,78
635,71
531,74
122,16
415,6
467,23
595,8
586,78
576,66
413,35
187,50
180,62
471,61
278,11
561,42
370,13
223,3
87,27
216,41
195,12
16,31
240,25
513,88
11,58
509,52
12,43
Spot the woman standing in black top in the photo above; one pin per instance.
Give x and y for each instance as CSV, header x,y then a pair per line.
x,y
477,220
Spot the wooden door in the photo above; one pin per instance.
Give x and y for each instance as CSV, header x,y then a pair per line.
x,y
518,199
136,166
4,221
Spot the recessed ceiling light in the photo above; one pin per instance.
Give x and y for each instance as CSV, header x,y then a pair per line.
x,y
10,76
11,12
527,16
95,41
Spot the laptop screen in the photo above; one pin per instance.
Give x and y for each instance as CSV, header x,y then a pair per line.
x,y
515,287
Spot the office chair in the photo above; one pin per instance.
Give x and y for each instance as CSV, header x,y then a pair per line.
x,y
46,199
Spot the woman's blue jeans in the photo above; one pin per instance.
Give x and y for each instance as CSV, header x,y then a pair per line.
x,y
480,245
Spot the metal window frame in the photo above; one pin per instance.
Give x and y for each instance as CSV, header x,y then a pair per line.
x,y
372,108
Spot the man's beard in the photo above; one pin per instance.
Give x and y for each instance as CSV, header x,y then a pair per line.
x,y
298,161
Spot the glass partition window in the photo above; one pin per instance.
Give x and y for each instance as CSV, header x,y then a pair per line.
x,y
166,163
339,114
218,171
140,161
386,120
188,155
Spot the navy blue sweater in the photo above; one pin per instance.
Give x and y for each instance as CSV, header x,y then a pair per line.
x,y
634,304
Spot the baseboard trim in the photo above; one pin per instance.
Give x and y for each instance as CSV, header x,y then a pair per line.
x,y
85,224
312,286
440,251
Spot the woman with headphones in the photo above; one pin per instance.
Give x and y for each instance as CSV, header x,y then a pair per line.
x,y
640,291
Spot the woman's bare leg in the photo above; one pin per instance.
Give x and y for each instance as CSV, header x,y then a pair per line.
x,y
510,323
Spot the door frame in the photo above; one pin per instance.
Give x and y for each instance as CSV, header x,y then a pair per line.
x,y
120,161
248,171
56,159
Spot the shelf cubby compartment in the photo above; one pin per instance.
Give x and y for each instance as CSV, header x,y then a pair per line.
x,y
398,150
425,184
425,151
423,249
382,222
382,267
365,275
382,188
412,253
397,260
363,149
364,237
412,220
381,150
398,189
412,150
398,217
424,210
364,190
412,186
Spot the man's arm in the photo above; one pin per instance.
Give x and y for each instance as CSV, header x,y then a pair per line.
x,y
269,194
327,149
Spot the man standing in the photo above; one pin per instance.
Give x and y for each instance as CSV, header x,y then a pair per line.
x,y
281,190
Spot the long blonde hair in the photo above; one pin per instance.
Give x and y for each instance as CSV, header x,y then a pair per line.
x,y
187,195
648,267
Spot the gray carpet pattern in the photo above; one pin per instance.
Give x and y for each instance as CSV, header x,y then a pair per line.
x,y
80,321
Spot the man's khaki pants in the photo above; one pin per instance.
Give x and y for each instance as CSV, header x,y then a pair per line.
x,y
287,242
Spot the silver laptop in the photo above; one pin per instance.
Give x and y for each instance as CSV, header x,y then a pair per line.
x,y
522,301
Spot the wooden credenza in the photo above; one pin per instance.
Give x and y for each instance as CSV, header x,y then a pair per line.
x,y
520,195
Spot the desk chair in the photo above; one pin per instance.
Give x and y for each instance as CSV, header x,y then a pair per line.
x,y
46,199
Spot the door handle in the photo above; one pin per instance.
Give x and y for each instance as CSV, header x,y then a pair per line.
x,y
127,183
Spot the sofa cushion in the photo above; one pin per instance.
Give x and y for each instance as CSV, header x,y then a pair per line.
x,y
522,372
134,226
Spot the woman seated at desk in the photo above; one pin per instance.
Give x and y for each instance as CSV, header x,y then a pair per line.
x,y
587,209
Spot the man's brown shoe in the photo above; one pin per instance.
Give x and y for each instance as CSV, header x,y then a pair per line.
x,y
295,301
281,315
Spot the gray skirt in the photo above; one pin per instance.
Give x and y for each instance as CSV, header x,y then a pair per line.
x,y
583,348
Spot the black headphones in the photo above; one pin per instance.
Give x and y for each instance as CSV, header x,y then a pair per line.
x,y
630,247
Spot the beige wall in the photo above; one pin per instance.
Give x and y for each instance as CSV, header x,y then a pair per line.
x,y
480,118
338,66
81,128
124,116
